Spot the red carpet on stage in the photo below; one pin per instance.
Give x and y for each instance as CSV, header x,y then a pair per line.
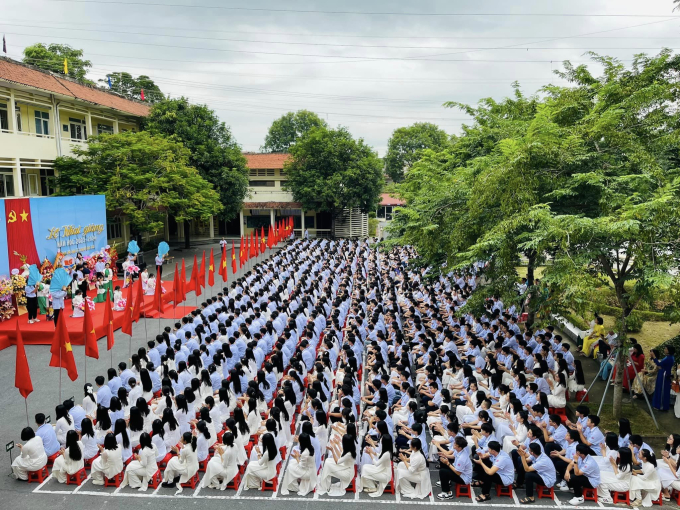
x,y
41,333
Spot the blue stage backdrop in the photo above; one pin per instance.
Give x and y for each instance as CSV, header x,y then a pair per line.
x,y
40,227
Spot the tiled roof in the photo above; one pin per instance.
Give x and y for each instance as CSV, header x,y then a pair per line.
x,y
274,160
16,72
386,199
272,205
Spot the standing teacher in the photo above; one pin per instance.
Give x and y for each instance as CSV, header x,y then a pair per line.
x,y
662,393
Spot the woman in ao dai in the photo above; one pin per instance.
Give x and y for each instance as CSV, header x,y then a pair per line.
x,y
71,459
301,474
143,467
341,466
413,470
110,460
376,476
264,469
223,466
183,467
33,456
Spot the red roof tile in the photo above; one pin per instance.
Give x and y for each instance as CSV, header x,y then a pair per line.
x,y
386,199
269,161
16,72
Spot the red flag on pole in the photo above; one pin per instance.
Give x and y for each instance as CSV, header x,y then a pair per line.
x,y
127,313
233,258
257,243
211,269
193,278
143,98
158,295
201,274
197,276
22,374
240,253
247,249
90,335
183,282
62,352
108,318
139,302
177,290
263,246
223,263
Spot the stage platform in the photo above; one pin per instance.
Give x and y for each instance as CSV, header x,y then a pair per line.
x,y
40,333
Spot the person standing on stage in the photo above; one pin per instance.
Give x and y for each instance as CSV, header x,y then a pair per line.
x,y
159,264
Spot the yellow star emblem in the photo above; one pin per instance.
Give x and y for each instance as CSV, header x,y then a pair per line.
x,y
110,323
68,347
92,331
224,264
211,268
24,215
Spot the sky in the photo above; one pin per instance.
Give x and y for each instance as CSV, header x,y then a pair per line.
x,y
371,66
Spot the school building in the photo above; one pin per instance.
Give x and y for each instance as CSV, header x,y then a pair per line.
x,y
45,115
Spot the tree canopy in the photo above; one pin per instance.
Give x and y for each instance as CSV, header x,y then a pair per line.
x,y
131,87
330,171
286,130
143,176
406,145
586,176
213,151
51,58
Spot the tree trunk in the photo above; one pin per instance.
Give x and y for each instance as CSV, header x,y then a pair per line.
x,y
531,266
187,234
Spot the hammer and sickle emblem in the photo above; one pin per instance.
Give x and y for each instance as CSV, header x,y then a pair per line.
x,y
12,217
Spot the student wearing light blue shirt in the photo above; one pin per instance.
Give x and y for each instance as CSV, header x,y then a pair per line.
x,y
539,470
459,471
592,436
501,470
583,472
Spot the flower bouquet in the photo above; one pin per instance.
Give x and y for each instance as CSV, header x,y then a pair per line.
x,y
90,304
6,291
19,286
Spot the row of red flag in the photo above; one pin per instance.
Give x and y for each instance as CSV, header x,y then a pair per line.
x,y
62,352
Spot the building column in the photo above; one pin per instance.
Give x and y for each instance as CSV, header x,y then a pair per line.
x,y
272,216
240,217
212,227
16,174
57,125
115,126
89,125
302,222
12,114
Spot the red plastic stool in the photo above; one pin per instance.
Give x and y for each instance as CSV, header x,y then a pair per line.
x,y
283,451
352,487
88,462
621,497
38,476
164,463
235,482
676,496
463,491
580,395
272,486
389,488
156,479
115,481
76,478
590,495
544,492
658,501
192,482
503,490
51,459
203,465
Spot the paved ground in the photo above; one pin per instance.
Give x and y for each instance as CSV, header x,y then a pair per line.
x,y
15,494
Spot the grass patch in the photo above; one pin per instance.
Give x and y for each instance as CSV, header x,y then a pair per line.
x,y
640,420
652,334
522,271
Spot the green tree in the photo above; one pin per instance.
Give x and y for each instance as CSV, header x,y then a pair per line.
x,y
330,171
213,149
131,87
406,145
143,176
286,130
51,58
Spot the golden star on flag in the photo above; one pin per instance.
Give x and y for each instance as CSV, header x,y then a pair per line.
x,y
211,268
24,215
92,332
224,263
68,347
110,323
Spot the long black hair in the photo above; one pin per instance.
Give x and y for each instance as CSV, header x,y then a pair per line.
x,y
306,444
74,451
121,428
169,418
189,439
240,420
269,446
349,446
86,428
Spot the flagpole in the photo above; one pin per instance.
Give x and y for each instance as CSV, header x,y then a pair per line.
x,y
60,370
26,402
86,358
